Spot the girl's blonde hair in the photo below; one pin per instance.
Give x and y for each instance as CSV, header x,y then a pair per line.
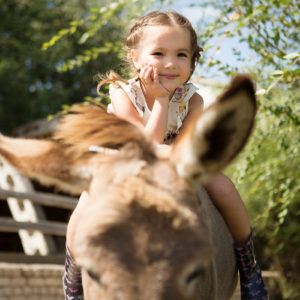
x,y
154,18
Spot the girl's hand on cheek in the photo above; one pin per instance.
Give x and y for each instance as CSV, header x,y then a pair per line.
x,y
150,78
145,74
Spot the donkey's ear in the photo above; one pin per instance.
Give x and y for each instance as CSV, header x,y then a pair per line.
x,y
218,134
46,161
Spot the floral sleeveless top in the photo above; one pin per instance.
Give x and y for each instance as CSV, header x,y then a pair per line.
x,y
178,106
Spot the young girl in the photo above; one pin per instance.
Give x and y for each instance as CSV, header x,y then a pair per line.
x,y
162,49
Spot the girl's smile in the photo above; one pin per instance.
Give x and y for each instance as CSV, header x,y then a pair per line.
x,y
168,76
167,49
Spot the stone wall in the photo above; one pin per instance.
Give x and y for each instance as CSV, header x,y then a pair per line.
x,y
31,282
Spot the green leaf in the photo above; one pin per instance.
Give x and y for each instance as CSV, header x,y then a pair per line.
x,y
276,38
95,10
261,92
240,25
73,30
277,73
74,23
84,38
292,55
63,32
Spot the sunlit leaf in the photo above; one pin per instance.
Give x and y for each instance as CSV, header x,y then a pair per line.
x,y
84,38
292,55
277,73
261,92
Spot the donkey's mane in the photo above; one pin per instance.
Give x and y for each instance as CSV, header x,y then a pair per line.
x,y
91,125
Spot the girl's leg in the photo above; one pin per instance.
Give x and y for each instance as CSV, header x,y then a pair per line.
x,y
251,282
72,277
229,203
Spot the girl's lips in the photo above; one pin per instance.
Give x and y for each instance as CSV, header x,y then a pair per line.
x,y
168,76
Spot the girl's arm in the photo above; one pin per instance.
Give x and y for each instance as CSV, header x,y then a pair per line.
x,y
157,123
124,109
195,104
155,126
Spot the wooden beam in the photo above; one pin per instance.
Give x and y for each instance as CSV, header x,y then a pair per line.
x,y
46,199
47,227
15,257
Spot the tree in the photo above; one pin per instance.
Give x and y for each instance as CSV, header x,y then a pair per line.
x,y
31,84
267,172
270,30
111,21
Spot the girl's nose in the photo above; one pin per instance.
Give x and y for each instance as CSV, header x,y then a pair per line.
x,y
169,63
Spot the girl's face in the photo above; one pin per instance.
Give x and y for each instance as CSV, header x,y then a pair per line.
x,y
167,48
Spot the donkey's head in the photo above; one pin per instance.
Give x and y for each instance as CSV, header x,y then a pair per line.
x,y
141,241
144,235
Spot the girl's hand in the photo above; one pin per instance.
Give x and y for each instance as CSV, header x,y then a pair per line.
x,y
150,78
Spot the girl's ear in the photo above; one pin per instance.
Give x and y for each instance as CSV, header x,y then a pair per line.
x,y
135,59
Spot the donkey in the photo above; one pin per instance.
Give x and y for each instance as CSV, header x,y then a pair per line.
x,y
150,231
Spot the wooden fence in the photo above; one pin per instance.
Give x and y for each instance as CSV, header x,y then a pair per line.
x,y
46,227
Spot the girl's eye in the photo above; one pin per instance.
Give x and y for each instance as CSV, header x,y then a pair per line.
x,y
157,54
182,55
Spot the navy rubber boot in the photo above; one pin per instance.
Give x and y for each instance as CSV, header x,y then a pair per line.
x,y
252,285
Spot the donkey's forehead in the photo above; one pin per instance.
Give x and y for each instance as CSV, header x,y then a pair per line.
x,y
144,237
156,172
121,191
136,197
138,205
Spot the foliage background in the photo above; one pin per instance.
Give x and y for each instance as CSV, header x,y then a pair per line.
x,y
36,80
267,173
52,49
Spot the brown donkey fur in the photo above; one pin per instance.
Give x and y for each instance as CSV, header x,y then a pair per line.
x,y
151,231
